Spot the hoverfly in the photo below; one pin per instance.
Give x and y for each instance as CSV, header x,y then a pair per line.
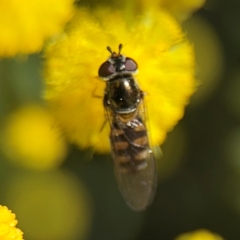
x,y
134,163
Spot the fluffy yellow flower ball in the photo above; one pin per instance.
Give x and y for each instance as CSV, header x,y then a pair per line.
x,y
154,40
8,230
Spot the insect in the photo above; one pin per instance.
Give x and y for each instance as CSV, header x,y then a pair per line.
x,y
134,163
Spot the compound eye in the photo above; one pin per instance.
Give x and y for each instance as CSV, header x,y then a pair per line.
x,y
130,65
106,70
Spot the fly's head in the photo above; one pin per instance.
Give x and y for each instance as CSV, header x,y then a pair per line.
x,y
117,64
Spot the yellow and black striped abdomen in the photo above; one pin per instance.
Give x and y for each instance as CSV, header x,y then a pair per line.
x,y
130,145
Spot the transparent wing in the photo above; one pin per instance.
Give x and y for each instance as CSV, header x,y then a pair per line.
x,y
134,163
138,188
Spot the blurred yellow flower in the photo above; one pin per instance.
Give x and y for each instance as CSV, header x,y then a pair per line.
x,y
30,138
154,40
24,25
8,230
51,205
180,9
201,234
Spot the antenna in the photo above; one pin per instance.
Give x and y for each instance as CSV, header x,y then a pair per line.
x,y
109,49
113,53
119,48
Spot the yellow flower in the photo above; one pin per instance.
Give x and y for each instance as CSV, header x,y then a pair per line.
x,y
180,9
51,204
154,40
31,140
24,25
8,230
201,234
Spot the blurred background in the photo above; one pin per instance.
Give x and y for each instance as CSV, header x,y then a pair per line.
x,y
69,197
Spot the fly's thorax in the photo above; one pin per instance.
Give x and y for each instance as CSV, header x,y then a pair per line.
x,y
122,94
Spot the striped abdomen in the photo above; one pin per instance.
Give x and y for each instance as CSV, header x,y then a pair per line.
x,y
130,145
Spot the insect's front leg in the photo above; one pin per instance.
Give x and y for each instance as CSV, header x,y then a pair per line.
x,y
106,103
